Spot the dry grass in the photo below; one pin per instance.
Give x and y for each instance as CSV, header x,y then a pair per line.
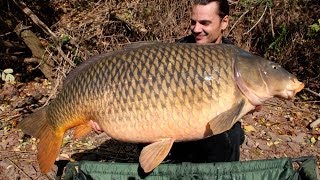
x,y
281,33
106,26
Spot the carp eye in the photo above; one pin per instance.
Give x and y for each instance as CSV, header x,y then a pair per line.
x,y
274,66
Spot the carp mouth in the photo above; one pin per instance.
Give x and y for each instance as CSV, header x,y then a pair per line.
x,y
292,89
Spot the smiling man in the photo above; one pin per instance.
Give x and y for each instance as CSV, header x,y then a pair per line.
x,y
208,21
209,18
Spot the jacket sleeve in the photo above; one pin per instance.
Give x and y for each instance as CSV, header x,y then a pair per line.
x,y
186,39
190,39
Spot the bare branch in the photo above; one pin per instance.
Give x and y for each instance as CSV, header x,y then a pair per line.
x,y
31,60
313,92
35,19
44,27
38,51
271,19
28,177
133,24
265,9
237,22
8,33
315,123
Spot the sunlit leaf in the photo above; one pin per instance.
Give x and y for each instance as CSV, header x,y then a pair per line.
x,y
313,140
269,143
249,128
276,142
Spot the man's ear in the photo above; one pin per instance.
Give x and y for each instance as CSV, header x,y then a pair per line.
x,y
224,22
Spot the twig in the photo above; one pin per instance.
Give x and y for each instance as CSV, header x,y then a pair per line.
x,y
23,159
44,27
54,92
233,1
5,122
237,22
12,117
13,151
1,35
265,9
313,92
308,102
35,19
31,60
133,24
19,168
271,19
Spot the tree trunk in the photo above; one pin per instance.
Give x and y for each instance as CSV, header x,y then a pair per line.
x,y
38,51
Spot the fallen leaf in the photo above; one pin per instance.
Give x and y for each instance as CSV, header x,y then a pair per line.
x,y
315,123
264,147
249,128
64,156
270,143
295,147
313,140
4,144
299,138
276,142
2,108
250,142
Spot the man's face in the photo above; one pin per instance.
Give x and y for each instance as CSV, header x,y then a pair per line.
x,y
206,24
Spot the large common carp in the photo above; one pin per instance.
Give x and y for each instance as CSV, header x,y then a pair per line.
x,y
158,94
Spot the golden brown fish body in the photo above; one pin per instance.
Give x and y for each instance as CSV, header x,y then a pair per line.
x,y
159,94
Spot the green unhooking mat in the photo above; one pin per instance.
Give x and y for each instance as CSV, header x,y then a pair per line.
x,y
272,169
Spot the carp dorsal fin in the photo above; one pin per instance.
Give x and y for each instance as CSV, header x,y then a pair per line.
x,y
225,120
153,154
139,44
86,64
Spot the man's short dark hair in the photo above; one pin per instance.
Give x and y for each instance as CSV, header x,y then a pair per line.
x,y
223,6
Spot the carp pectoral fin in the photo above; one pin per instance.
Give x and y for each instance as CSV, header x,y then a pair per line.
x,y
225,121
152,155
81,130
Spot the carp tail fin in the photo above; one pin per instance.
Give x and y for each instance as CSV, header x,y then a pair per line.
x,y
48,148
32,124
37,126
